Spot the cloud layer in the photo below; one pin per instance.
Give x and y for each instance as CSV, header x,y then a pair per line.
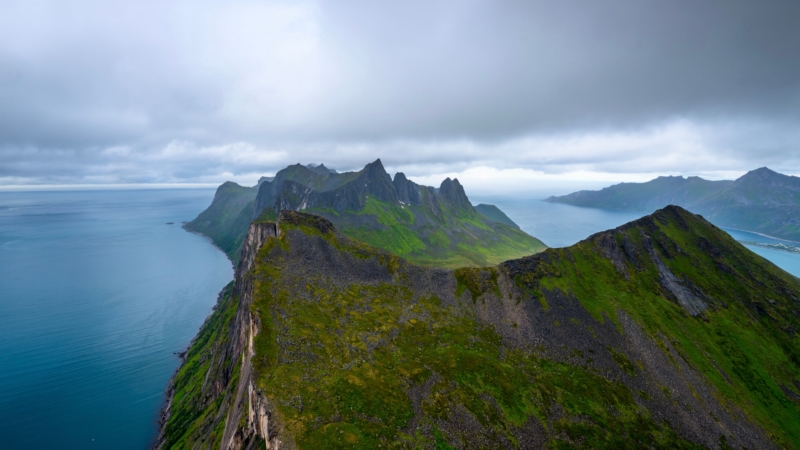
x,y
198,92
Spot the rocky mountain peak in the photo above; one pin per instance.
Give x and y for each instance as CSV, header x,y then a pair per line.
x,y
453,194
320,169
408,192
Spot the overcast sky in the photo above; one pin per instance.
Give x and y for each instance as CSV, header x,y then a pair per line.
x,y
505,95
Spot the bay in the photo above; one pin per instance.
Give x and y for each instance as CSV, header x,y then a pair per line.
x,y
97,293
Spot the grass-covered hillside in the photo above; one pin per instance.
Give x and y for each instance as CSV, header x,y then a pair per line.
x,y
429,226
762,200
225,222
494,214
463,238
663,333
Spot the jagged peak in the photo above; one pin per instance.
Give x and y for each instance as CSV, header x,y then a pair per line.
x,y
376,167
451,182
453,193
320,169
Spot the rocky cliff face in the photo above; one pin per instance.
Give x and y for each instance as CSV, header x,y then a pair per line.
x,y
408,192
663,333
224,349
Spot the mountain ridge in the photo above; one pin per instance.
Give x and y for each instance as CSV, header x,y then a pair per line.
x,y
426,224
680,338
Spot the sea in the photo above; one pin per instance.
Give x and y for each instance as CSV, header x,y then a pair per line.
x,y
99,291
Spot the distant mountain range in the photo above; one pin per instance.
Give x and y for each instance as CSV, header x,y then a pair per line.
x,y
426,225
761,201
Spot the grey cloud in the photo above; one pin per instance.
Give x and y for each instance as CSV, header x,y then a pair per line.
x,y
431,86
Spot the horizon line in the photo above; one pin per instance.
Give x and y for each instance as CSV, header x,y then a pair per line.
x,y
106,186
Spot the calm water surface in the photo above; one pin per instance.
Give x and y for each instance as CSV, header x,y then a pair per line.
x,y
560,225
96,293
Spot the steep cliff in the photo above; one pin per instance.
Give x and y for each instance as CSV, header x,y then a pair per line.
x,y
212,388
226,220
663,333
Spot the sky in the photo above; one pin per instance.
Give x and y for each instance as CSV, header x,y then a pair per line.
x,y
508,96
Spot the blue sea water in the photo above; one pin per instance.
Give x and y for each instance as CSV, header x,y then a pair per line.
x,y
96,294
559,225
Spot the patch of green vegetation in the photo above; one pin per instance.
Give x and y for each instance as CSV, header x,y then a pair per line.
x,y
476,281
266,215
624,363
439,239
225,222
340,363
449,240
397,237
194,406
494,214
745,343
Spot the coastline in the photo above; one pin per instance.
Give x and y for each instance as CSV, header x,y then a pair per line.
x,y
761,234
233,263
169,392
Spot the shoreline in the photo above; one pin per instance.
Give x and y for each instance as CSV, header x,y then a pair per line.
x,y
233,264
169,392
761,234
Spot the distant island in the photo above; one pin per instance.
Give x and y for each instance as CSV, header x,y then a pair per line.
x,y
426,225
761,201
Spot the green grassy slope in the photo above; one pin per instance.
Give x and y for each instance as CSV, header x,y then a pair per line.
x,y
225,222
465,238
193,419
746,344
591,346
494,214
